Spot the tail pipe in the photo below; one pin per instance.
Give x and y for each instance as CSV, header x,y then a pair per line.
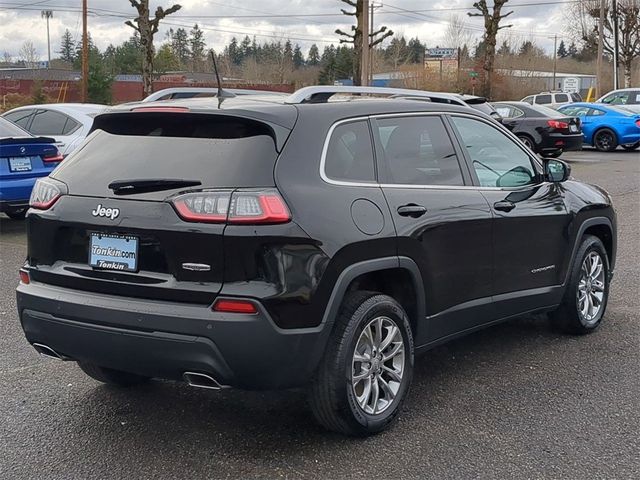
x,y
47,351
202,380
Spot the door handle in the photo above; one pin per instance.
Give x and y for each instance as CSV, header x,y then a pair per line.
x,y
412,210
504,206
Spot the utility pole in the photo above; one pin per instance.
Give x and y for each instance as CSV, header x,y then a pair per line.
x,y
600,73
48,14
555,59
364,53
85,54
614,15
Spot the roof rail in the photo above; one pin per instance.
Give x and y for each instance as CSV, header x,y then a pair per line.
x,y
322,93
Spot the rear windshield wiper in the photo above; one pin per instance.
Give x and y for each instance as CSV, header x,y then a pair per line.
x,y
124,187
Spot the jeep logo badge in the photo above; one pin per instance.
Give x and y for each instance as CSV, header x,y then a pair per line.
x,y
101,211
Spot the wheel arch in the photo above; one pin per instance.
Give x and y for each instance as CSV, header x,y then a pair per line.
x,y
398,277
599,128
600,227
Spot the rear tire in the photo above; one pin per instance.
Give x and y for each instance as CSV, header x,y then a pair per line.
x,y
585,299
110,376
528,141
605,140
365,374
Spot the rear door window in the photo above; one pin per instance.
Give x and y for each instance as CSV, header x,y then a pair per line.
x,y
349,155
562,98
543,99
417,150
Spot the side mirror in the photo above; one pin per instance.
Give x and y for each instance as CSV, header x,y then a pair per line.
x,y
556,170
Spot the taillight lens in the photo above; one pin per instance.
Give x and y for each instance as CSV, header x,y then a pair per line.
x,y
235,306
638,123
24,276
557,124
45,193
53,157
240,207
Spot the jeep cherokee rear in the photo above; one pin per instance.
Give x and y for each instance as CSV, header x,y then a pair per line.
x,y
259,244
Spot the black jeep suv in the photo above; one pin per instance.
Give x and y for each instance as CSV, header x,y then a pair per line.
x,y
261,242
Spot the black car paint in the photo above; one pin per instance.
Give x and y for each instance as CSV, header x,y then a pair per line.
x,y
460,266
533,125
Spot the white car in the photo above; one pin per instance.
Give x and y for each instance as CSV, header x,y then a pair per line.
x,y
628,98
177,93
552,99
67,123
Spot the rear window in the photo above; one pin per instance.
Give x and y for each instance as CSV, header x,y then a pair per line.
x,y
217,150
545,111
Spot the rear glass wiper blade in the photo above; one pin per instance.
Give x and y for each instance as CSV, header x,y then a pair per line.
x,y
124,187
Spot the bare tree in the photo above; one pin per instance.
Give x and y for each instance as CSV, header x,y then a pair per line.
x,y
147,28
492,26
28,54
585,28
457,33
357,37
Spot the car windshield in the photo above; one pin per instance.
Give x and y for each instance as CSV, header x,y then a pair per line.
x,y
10,129
545,111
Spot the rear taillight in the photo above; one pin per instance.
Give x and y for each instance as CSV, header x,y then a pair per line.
x,y
53,157
638,123
239,207
45,193
557,124
24,276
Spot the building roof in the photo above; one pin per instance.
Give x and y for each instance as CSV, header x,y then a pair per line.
x,y
539,73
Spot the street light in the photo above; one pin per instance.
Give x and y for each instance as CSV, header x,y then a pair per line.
x,y
48,14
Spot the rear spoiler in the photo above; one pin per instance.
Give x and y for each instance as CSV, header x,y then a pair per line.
x,y
25,140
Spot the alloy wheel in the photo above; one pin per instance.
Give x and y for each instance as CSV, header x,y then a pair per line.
x,y
591,288
378,365
604,140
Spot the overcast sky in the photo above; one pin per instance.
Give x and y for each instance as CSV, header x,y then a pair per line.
x,y
20,20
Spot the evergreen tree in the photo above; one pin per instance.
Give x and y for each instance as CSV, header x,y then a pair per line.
x,y
562,50
233,52
573,50
288,52
246,47
345,65
313,59
67,47
128,57
527,48
504,49
180,45
298,58
328,63
165,60
415,51
197,46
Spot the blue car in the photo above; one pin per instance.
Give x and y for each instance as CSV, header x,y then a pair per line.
x,y
606,126
23,159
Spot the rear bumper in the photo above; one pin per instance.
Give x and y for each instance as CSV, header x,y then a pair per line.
x,y
164,340
13,205
556,141
16,190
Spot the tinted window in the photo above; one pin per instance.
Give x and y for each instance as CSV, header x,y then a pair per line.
x,y
543,99
179,95
218,150
418,151
20,118
575,111
9,129
497,160
48,122
350,153
595,113
70,127
545,111
562,98
528,99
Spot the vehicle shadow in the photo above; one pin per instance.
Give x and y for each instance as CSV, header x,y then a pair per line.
x,y
177,420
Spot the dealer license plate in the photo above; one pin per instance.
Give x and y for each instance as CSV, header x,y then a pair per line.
x,y
113,252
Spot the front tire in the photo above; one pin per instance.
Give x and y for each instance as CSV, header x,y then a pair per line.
x,y
110,376
587,293
605,140
366,372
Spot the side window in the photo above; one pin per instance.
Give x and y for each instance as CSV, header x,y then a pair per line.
x,y
20,118
528,100
418,151
497,160
595,113
635,97
70,127
543,99
504,111
561,98
349,155
48,122
516,112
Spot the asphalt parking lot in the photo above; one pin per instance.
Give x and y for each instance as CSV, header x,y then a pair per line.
x,y
513,401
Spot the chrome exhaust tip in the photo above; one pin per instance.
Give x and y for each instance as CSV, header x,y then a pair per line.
x,y
47,351
201,380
